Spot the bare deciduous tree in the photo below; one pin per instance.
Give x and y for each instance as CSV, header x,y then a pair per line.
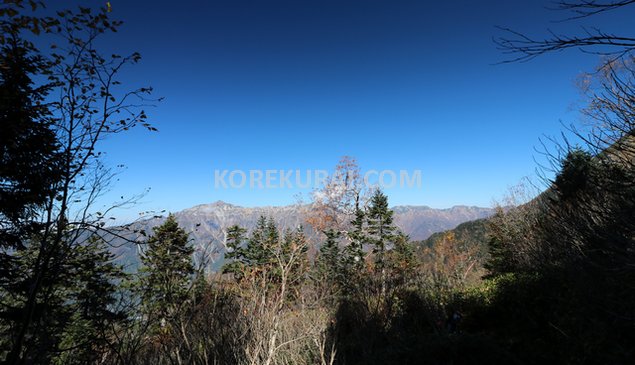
x,y
521,47
334,204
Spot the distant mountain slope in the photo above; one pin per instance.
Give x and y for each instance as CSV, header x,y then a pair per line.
x,y
468,234
420,222
207,223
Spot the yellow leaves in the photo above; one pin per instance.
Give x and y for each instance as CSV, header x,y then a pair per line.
x,y
108,7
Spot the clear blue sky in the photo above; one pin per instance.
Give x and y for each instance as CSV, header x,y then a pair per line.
x,y
296,84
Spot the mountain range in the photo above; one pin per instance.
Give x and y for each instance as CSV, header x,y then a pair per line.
x,y
207,223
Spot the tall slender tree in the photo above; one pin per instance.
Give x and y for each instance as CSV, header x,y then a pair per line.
x,y
237,256
329,261
167,271
29,149
29,174
353,253
402,260
94,311
381,232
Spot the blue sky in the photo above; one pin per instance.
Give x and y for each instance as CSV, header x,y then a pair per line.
x,y
296,84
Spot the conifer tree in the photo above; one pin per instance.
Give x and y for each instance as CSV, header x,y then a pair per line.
x,y
263,250
167,271
500,259
381,232
354,251
29,173
402,259
93,310
237,257
329,262
261,242
29,156
245,255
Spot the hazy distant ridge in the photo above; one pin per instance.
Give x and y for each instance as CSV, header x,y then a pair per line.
x,y
208,222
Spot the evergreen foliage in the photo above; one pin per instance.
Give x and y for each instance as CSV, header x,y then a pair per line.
x,y
329,260
167,271
354,254
381,231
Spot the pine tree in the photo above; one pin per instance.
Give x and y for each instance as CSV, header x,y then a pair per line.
x,y
167,271
354,251
263,251
329,262
245,256
501,256
261,242
51,313
76,312
576,173
93,306
381,232
402,259
29,156
29,173
237,256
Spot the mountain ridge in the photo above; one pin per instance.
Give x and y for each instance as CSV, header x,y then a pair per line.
x,y
208,223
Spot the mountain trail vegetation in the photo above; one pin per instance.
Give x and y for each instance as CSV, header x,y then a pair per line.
x,y
549,278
